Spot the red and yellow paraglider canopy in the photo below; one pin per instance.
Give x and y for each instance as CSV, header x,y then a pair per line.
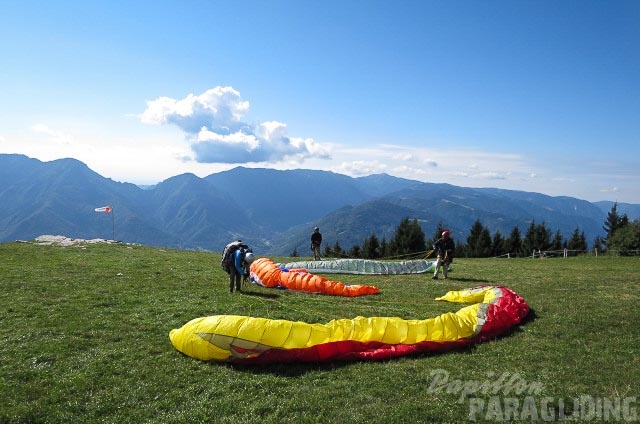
x,y
242,339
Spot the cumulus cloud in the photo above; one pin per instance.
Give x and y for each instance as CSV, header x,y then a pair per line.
x,y
213,122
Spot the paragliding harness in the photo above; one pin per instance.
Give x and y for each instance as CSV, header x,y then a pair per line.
x,y
229,249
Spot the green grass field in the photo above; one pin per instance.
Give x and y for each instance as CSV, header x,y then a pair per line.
x,y
84,338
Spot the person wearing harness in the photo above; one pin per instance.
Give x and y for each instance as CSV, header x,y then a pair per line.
x,y
444,248
316,241
239,267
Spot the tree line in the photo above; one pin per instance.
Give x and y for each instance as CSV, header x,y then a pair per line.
x,y
622,236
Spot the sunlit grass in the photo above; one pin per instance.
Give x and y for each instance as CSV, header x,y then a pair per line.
x,y
84,338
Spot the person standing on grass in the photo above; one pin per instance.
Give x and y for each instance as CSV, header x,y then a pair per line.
x,y
239,267
316,241
444,248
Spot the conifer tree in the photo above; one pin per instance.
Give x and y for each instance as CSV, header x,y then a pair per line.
x,y
484,245
497,244
408,238
371,247
537,237
472,239
478,241
513,243
614,222
384,248
577,241
557,243
337,250
355,251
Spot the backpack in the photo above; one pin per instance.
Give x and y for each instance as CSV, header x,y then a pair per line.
x,y
229,249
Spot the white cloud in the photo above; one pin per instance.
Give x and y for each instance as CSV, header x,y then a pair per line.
x,y
52,135
358,168
218,109
490,176
563,179
403,156
474,168
609,190
213,123
411,172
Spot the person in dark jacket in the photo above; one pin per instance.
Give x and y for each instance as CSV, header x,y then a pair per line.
x,y
239,268
444,248
316,241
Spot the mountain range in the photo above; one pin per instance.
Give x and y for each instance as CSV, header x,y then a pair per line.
x,y
272,210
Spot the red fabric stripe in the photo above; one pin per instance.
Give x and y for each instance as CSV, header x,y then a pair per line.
x,y
350,350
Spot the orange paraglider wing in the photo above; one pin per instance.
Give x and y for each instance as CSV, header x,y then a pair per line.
x,y
266,273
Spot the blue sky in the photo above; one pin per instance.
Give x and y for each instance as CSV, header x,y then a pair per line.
x,y
538,96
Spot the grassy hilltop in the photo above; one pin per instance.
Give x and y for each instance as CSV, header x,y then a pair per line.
x,y
84,338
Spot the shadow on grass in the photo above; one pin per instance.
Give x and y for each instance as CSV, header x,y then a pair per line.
x,y
258,294
291,369
468,280
531,316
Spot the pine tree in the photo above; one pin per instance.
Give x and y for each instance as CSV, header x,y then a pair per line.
x,y
337,250
537,237
371,247
577,241
355,251
384,248
614,222
484,244
557,243
478,241
497,244
513,244
472,239
408,238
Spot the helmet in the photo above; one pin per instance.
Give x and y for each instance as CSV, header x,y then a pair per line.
x,y
445,233
249,257
316,229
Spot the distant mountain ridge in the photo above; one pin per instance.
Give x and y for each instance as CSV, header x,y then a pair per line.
x,y
272,210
